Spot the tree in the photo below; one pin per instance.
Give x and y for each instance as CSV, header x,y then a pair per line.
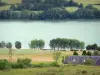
x,y
84,52
94,46
2,44
13,7
37,44
89,53
75,53
88,47
18,44
81,5
82,44
9,46
89,6
41,44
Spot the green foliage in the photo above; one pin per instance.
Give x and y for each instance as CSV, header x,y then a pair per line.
x,y
98,48
18,44
84,53
92,47
96,53
89,53
54,64
63,58
9,45
75,53
63,43
90,62
2,44
22,63
4,64
37,44
56,56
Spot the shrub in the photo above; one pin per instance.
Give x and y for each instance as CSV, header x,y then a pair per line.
x,y
75,53
89,62
39,65
98,48
84,53
22,63
96,53
89,53
4,64
84,72
54,64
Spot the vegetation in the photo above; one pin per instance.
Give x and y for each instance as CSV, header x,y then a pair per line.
x,y
89,53
75,53
2,44
96,53
84,52
63,43
37,44
89,62
51,9
92,47
18,44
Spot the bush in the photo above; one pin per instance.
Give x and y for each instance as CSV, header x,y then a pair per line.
x,y
75,53
54,64
4,64
96,53
39,65
89,53
84,53
22,63
89,62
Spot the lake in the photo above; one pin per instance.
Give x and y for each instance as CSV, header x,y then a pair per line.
x,y
24,31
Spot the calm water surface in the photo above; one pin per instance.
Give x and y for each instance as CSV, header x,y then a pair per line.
x,y
87,31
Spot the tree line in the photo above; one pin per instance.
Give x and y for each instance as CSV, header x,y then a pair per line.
x,y
93,47
89,12
64,43
54,44
44,4
49,10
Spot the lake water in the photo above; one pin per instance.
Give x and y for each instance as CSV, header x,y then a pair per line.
x,y
25,31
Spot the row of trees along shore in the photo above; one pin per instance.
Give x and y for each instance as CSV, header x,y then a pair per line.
x,y
54,44
49,10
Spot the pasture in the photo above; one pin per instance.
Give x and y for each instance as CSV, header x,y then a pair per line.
x,y
35,55
67,70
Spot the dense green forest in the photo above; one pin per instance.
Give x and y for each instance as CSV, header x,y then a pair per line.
x,y
49,10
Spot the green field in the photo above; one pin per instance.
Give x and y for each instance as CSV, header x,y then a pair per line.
x,y
40,56
67,70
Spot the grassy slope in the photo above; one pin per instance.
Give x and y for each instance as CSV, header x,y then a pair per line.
x,y
85,2
68,70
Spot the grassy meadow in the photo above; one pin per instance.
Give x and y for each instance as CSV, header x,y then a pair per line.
x,y
41,56
67,70
35,55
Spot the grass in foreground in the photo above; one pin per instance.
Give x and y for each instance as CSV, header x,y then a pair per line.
x,y
67,70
